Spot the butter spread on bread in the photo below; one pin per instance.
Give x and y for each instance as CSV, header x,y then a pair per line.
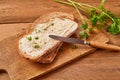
x,y
37,43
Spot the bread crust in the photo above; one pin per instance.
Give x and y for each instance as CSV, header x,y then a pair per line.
x,y
54,49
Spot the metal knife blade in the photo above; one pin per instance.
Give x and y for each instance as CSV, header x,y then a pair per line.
x,y
68,40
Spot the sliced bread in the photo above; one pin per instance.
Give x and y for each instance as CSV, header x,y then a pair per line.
x,y
36,45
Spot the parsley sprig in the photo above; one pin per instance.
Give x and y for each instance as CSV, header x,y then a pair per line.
x,y
99,17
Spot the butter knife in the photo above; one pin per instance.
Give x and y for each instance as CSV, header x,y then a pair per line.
x,y
85,42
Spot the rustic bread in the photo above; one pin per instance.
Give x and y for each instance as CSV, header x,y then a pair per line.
x,y
36,44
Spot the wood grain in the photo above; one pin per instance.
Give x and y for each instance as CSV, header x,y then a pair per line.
x,y
28,10
101,65
20,68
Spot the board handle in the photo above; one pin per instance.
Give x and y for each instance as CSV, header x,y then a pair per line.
x,y
104,46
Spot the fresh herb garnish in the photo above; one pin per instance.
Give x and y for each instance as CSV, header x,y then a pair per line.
x,y
52,24
73,46
84,26
99,17
29,38
37,31
83,35
36,37
36,46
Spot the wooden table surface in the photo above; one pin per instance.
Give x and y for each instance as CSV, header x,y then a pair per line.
x,y
100,65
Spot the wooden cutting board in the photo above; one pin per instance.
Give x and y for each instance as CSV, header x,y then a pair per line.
x,y
19,68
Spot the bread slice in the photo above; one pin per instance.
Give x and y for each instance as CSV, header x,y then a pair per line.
x,y
50,57
36,45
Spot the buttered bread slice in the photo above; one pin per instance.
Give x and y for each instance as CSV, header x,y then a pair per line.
x,y
36,43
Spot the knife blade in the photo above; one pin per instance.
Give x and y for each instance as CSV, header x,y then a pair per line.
x,y
91,43
68,40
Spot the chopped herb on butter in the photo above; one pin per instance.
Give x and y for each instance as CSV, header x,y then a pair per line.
x,y
29,38
36,46
36,37
39,31
52,24
36,31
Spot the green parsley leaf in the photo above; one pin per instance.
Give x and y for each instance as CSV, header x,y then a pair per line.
x,y
101,18
92,12
113,29
83,35
29,38
36,37
118,28
84,26
94,20
36,46
91,29
117,20
73,46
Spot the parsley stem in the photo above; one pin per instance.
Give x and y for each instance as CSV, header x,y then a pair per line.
x,y
77,10
83,4
109,17
63,2
73,4
97,14
102,3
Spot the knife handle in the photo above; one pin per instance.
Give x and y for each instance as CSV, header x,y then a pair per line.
x,y
104,46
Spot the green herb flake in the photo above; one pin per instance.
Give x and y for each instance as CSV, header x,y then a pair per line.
x,y
73,46
52,24
36,46
29,38
39,31
36,37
